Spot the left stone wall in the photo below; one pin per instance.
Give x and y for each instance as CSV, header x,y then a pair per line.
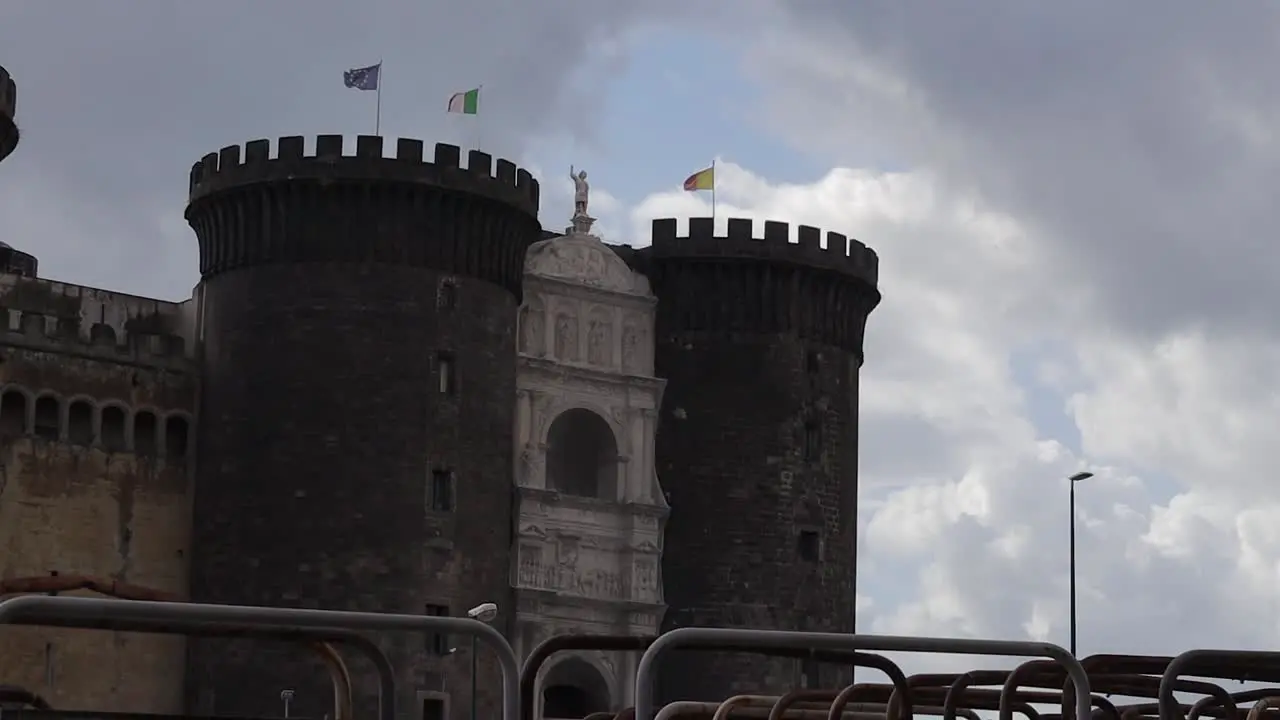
x,y
97,402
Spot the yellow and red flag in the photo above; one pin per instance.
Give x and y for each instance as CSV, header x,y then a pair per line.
x,y
701,180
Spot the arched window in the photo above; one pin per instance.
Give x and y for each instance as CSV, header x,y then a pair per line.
x,y
582,457
573,689
13,413
80,423
145,428
113,428
175,436
47,418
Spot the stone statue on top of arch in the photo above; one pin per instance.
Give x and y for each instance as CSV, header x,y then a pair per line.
x,y
581,195
581,191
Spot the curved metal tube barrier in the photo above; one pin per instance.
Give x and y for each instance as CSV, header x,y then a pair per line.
x,y
722,712
543,651
319,638
1207,704
693,637
1263,704
1257,662
99,612
342,706
755,710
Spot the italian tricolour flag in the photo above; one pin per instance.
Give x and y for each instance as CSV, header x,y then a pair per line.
x,y
467,103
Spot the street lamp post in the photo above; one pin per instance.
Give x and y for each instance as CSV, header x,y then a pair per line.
x,y
1074,479
485,613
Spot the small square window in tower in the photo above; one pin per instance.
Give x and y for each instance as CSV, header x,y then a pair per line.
x,y
812,440
438,643
441,491
446,373
433,708
812,359
809,546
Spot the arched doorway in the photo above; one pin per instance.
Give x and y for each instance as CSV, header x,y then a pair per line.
x,y
572,690
582,455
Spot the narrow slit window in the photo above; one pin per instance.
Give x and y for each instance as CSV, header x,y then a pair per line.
x,y
442,491
812,440
438,643
447,372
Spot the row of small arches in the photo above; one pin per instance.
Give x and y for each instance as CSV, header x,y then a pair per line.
x,y
81,421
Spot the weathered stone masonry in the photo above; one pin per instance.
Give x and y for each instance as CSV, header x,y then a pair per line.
x,y
331,422
357,325
760,341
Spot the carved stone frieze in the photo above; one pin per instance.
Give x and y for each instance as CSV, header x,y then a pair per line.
x,y
583,259
600,339
566,349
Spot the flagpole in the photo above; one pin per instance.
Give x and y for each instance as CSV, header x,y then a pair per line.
x,y
713,192
479,126
377,107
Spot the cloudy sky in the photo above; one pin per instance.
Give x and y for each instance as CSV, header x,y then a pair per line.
x,y
1070,202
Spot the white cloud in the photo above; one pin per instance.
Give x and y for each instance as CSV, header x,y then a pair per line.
x,y
965,499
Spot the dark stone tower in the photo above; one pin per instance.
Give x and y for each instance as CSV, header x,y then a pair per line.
x,y
357,334
8,110
12,261
761,344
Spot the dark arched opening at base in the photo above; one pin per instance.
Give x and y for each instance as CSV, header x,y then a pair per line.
x,y
573,690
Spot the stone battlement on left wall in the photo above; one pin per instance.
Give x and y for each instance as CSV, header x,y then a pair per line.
x,y
60,317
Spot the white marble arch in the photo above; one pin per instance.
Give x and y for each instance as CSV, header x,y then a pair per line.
x,y
587,564
593,660
561,405
618,482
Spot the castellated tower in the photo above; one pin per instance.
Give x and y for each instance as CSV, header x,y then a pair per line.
x,y
12,261
8,110
760,341
357,328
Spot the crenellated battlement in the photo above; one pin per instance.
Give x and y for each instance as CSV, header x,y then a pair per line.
x,y
738,283
838,253
55,317
8,111
250,209
233,166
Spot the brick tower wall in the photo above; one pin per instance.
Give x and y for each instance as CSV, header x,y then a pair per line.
x,y
760,342
336,292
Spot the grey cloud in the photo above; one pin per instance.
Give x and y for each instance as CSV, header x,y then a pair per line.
x,y
116,100
1135,136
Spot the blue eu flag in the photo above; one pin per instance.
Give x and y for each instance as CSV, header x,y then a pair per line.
x,y
365,78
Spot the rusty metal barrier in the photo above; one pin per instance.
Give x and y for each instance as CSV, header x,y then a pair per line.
x,y
324,638
695,637
1263,704
543,651
1213,708
179,617
1245,665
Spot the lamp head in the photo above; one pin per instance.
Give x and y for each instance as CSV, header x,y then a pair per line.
x,y
484,612
1083,475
